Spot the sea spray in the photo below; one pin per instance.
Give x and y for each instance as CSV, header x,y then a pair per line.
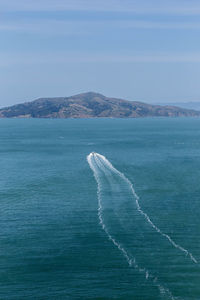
x,y
99,163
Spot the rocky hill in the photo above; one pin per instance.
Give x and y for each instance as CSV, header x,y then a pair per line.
x,y
91,105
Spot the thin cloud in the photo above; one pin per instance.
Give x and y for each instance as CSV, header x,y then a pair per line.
x,y
52,27
159,25
55,27
69,57
178,7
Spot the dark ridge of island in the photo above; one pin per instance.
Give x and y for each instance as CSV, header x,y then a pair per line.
x,y
92,105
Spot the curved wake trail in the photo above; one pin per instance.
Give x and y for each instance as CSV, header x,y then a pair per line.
x,y
99,164
103,162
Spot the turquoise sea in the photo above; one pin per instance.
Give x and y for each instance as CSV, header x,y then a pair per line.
x,y
124,224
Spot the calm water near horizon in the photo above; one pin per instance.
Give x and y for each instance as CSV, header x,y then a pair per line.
x,y
55,240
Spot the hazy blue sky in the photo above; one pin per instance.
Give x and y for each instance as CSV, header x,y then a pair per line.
x,y
144,50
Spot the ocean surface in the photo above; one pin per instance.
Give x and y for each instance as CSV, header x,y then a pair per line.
x,y
120,223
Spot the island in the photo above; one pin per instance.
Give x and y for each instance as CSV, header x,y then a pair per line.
x,y
92,105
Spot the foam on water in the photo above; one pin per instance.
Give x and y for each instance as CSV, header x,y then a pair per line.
x,y
105,163
99,163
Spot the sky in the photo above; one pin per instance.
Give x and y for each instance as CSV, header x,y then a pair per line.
x,y
144,50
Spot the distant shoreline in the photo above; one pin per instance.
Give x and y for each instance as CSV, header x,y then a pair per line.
x,y
92,105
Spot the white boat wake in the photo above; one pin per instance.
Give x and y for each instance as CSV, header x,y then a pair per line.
x,y
105,172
